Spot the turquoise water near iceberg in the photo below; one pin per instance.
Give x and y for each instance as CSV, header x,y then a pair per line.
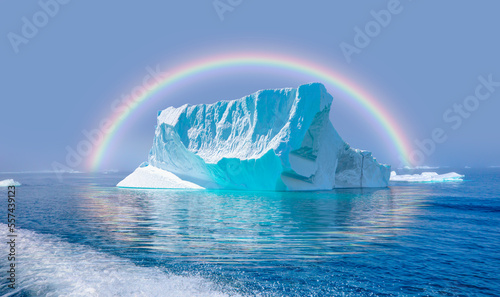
x,y
84,237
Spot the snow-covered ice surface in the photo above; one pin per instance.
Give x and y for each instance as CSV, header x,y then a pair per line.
x,y
154,178
427,177
271,140
9,182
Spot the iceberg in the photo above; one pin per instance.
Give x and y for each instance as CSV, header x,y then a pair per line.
x,y
427,177
8,183
276,140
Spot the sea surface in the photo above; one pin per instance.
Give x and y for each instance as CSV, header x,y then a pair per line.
x,y
82,236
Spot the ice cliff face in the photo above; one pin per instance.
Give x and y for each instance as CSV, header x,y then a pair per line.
x,y
271,140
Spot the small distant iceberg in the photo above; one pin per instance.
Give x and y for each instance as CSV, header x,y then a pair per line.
x,y
9,182
432,177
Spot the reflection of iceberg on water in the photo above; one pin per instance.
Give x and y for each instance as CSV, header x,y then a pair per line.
x,y
427,177
271,140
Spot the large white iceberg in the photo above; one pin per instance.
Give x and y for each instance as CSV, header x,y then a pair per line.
x,y
271,140
427,177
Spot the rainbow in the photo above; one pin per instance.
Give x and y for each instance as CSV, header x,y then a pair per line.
x,y
327,76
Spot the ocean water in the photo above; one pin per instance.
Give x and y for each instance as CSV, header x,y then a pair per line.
x,y
84,237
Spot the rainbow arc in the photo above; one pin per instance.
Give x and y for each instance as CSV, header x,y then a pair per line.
x,y
379,114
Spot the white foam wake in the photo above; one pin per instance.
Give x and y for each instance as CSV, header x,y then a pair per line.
x,y
48,266
9,182
427,177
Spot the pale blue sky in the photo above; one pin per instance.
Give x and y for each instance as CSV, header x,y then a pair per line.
x,y
63,77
